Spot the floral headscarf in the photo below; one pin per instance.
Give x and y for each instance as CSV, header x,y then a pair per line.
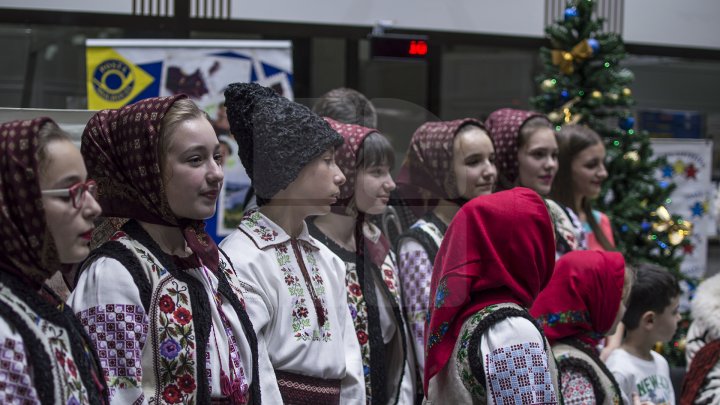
x,y
499,248
120,148
28,248
427,174
504,126
583,297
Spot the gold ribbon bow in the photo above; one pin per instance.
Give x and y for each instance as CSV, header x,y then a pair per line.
x,y
565,60
677,231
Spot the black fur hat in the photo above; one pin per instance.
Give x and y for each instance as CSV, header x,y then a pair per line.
x,y
276,137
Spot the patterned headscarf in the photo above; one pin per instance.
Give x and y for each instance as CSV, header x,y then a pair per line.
x,y
583,297
28,248
120,148
481,263
427,174
504,128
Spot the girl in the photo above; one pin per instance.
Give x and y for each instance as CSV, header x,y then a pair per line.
x,y
295,286
482,345
161,304
366,160
578,183
447,164
584,301
47,214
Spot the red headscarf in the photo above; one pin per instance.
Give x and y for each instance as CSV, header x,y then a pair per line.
x,y
504,128
28,248
583,297
499,248
346,158
427,174
120,148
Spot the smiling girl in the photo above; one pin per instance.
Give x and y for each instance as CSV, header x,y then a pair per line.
x,y
47,211
372,280
162,305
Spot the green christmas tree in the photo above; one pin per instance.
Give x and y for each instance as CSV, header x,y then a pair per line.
x,y
583,82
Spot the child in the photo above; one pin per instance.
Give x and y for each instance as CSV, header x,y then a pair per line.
x,y
160,281
482,345
373,286
296,293
584,302
47,211
652,316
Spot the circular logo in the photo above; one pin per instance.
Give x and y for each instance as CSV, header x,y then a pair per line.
x,y
113,80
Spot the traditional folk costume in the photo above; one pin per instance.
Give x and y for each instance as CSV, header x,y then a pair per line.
x,y
482,345
702,381
425,177
45,355
504,127
167,329
576,310
373,289
294,287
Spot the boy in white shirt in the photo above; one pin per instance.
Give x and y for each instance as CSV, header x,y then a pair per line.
x,y
652,316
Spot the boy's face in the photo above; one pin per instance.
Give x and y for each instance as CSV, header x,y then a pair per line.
x,y
666,321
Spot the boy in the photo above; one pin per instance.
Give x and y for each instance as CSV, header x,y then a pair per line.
x,y
652,316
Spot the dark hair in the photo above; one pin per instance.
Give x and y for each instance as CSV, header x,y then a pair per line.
x,y
526,130
48,133
653,289
347,106
573,139
375,150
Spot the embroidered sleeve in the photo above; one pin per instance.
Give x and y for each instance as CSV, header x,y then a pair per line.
x,y
16,385
516,364
576,386
415,271
108,304
353,385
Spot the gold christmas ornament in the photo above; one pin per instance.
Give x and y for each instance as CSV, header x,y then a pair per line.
x,y
554,116
677,231
626,92
565,60
632,156
547,84
613,96
659,347
682,344
596,94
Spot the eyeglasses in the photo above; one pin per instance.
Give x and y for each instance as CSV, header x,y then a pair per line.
x,y
76,192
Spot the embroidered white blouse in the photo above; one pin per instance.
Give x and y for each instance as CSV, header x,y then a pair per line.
x,y
282,309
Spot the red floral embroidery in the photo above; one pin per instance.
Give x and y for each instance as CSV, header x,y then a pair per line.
x,y
186,383
362,337
301,312
171,394
390,284
289,279
388,273
71,368
60,357
182,316
355,290
166,304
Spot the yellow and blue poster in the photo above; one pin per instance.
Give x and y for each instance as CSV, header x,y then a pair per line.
x,y
123,71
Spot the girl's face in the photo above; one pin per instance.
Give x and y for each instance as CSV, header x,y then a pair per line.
x,y
70,227
537,161
191,170
588,171
372,189
316,188
474,163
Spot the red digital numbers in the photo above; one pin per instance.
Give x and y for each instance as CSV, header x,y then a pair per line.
x,y
418,48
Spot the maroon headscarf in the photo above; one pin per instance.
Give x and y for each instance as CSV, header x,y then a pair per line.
x,y
426,175
583,297
346,158
120,148
504,126
499,248
28,249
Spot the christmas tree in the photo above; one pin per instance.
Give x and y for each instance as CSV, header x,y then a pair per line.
x,y
583,82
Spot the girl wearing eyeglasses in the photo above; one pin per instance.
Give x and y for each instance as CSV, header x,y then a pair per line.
x,y
161,303
47,208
